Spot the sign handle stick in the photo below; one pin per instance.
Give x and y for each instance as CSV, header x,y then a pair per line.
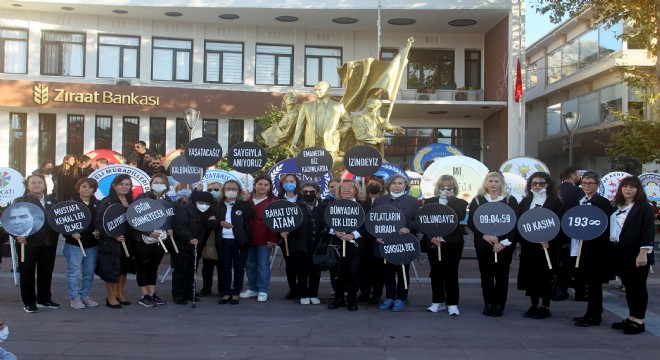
x,y
123,244
439,254
22,252
405,279
13,259
384,262
174,244
495,258
82,248
547,257
343,248
577,261
163,245
286,244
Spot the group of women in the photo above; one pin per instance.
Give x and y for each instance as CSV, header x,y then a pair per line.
x,y
231,220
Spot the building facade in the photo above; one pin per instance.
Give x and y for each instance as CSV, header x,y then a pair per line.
x,y
104,74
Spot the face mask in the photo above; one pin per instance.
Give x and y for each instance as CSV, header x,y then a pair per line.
x,y
396,195
231,194
373,189
159,188
216,194
183,193
309,197
540,192
4,333
443,194
202,207
289,187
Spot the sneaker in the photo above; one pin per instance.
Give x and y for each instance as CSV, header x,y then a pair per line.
x,y
158,300
262,296
248,294
315,301
453,310
386,305
305,301
77,304
30,309
399,305
87,301
435,307
147,301
49,304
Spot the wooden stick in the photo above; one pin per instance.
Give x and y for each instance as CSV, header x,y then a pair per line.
x,y
286,244
405,280
162,244
439,254
495,258
547,257
343,248
82,248
123,244
174,244
22,252
577,261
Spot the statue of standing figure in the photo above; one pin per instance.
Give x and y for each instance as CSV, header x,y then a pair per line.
x,y
369,127
282,132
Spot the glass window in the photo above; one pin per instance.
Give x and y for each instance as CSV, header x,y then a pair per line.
x,y
119,56
468,140
531,75
13,51
235,132
636,102
274,65
46,137
76,134
431,69
210,128
388,54
588,105
608,39
610,99
223,62
473,69
157,135
588,48
181,133
130,134
321,64
62,54
400,149
172,60
103,132
17,143
553,121
569,58
554,67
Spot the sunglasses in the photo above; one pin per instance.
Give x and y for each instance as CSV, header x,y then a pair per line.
x,y
309,191
446,189
539,183
589,183
215,189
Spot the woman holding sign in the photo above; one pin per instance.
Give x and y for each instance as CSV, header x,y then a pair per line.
x,y
114,265
444,270
494,270
40,249
632,229
534,275
289,187
77,264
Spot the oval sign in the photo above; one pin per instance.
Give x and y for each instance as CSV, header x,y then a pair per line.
x,y
289,166
282,215
23,219
146,215
169,211
436,219
363,160
203,152
651,182
584,222
114,220
185,172
400,249
539,225
344,215
247,157
105,175
384,220
314,161
69,217
11,185
524,166
494,218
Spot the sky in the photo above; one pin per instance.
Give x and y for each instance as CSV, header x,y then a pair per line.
x,y
536,25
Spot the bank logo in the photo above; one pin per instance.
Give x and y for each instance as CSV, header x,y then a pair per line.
x,y
40,94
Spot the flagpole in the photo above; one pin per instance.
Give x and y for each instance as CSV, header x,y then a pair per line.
x,y
378,53
402,67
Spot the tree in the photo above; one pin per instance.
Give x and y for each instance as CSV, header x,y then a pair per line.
x,y
641,17
275,153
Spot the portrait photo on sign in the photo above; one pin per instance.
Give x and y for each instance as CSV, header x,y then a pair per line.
x,y
23,219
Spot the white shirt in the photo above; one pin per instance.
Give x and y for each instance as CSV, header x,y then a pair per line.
x,y
228,233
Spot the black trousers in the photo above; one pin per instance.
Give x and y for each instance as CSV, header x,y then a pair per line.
x,y
39,261
308,277
494,275
208,267
348,276
444,274
182,277
395,288
372,280
290,269
147,260
637,296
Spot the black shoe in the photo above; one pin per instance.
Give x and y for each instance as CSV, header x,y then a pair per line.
x,y
181,301
542,313
374,300
30,309
125,303
49,304
234,300
498,310
197,299
115,306
633,328
204,292
531,311
352,305
621,325
488,310
336,304
224,300
588,321
580,318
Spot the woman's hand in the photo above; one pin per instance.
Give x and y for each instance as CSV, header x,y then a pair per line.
x,y
380,241
170,233
498,247
545,245
120,238
436,241
404,231
155,234
193,242
641,259
226,225
22,239
76,236
270,245
492,240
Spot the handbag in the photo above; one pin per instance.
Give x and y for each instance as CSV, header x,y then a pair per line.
x,y
209,252
325,256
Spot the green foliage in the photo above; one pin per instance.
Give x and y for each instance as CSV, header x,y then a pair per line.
x,y
278,153
639,139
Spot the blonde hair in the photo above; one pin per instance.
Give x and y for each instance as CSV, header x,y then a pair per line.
x,y
442,180
484,189
360,192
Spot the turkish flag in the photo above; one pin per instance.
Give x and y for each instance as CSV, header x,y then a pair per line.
x,y
517,93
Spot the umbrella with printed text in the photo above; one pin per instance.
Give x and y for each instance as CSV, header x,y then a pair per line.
x,y
112,156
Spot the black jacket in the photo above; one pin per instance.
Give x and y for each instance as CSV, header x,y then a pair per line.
x,y
638,230
480,244
241,213
45,236
460,208
570,195
596,256
351,249
307,236
87,237
190,223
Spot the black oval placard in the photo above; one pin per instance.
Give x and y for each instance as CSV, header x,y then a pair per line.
x,y
344,215
436,219
384,220
169,211
23,219
584,222
203,152
363,160
247,157
114,220
539,225
146,215
400,249
69,217
282,215
494,218
314,162
185,172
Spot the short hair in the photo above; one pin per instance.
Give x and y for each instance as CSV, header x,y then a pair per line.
x,y
23,205
27,180
484,190
282,193
84,158
240,193
162,177
89,181
141,142
567,173
102,161
550,188
591,175
445,178
311,184
45,162
392,178
267,179
360,193
633,181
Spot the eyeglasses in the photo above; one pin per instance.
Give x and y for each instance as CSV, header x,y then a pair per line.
x,y
347,188
539,183
446,189
589,183
215,189
309,191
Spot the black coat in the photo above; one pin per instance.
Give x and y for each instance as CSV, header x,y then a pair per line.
x,y
638,230
480,244
570,195
190,223
362,241
596,256
460,208
45,236
87,237
241,213
307,236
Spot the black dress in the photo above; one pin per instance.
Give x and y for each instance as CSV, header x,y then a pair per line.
x,y
112,261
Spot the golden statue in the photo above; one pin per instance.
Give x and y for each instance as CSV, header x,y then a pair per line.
x,y
369,127
282,132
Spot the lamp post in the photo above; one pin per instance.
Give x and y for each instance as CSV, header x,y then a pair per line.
x,y
571,121
192,117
